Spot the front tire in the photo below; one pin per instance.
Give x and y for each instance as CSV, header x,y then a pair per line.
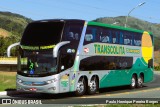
x,y
81,87
93,86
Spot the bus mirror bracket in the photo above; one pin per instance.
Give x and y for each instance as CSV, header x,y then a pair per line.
x,y
10,47
56,48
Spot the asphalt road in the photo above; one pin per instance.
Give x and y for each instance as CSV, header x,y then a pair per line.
x,y
149,90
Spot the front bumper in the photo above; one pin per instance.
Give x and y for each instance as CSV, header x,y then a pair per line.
x,y
37,84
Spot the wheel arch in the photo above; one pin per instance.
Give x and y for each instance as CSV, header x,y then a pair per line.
x,y
135,74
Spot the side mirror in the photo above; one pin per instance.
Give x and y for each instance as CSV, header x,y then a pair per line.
x,y
10,47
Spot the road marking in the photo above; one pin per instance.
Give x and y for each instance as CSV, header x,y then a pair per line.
x,y
83,97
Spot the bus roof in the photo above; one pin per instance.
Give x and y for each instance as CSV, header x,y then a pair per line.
x,y
63,20
115,27
94,24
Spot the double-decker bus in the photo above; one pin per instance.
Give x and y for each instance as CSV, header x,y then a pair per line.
x,y
57,56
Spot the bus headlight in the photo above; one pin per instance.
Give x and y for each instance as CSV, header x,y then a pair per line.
x,y
19,80
51,81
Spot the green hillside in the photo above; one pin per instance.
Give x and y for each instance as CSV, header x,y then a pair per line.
x,y
11,29
137,24
12,26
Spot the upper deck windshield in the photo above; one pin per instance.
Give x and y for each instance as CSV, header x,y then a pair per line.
x,y
42,33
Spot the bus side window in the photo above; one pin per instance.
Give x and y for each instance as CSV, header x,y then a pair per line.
x,y
66,61
121,40
70,36
104,36
105,63
72,32
105,39
115,36
137,39
90,35
128,39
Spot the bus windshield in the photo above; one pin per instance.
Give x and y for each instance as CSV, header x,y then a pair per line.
x,y
42,33
37,63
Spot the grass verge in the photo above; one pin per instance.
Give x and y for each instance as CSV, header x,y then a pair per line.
x,y
7,80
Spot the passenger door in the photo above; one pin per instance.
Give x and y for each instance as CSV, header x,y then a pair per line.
x,y
66,63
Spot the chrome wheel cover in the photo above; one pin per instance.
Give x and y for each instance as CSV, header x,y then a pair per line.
x,y
92,85
133,82
80,86
140,81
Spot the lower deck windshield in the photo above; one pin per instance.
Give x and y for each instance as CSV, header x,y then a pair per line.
x,y
37,63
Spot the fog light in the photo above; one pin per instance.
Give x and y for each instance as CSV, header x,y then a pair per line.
x,y
51,81
19,88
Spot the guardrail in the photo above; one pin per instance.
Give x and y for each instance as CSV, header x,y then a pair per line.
x,y
5,60
8,64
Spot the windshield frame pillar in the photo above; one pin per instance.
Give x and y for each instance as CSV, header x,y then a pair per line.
x,y
56,48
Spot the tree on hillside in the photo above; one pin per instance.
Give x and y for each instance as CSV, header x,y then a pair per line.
x,y
15,25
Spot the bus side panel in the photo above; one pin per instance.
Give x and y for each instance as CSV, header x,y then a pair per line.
x,y
148,75
147,49
112,79
123,77
148,72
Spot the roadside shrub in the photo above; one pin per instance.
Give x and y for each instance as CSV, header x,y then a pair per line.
x,y
156,68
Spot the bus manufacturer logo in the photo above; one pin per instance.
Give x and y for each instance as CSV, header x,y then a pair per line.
x,y
71,51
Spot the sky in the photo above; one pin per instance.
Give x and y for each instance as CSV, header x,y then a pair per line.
x,y
83,9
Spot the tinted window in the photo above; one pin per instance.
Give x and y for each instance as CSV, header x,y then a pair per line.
x,y
66,61
42,33
106,63
72,31
104,35
115,36
90,35
128,38
137,39
121,38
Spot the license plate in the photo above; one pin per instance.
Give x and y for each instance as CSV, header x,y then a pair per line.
x,y
33,89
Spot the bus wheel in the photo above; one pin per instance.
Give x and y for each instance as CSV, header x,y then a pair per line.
x,y
81,87
140,82
133,82
93,86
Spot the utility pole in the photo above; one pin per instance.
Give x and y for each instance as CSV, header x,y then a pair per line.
x,y
139,5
